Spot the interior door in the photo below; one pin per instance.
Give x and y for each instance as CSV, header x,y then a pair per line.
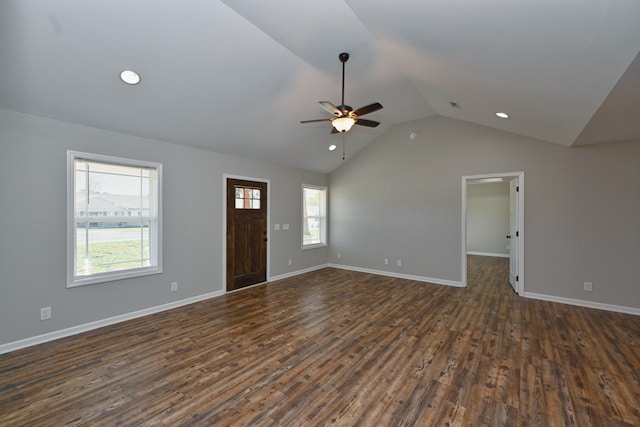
x,y
246,233
514,234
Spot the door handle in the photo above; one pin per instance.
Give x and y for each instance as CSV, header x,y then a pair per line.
x,y
265,239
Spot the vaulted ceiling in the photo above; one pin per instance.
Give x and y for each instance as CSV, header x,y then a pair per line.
x,y
237,76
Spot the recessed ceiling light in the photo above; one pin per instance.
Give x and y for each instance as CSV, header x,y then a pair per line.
x,y
502,115
130,77
332,147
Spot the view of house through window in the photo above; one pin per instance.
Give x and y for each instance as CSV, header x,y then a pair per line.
x,y
314,214
115,219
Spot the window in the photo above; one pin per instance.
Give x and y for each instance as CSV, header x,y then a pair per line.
x,y
314,216
247,198
113,218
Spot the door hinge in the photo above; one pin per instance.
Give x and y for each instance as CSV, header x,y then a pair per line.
x,y
517,188
517,234
517,278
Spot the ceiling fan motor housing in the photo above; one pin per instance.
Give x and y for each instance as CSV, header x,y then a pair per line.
x,y
346,110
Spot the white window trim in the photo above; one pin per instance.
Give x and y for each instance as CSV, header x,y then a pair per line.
x,y
324,229
72,280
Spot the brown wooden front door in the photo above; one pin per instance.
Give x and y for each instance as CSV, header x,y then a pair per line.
x,y
246,233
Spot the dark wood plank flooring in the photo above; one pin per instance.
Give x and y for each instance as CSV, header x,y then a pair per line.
x,y
336,347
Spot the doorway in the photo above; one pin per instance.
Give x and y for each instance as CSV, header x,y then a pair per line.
x,y
246,230
515,236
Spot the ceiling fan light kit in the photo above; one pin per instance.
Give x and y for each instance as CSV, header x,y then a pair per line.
x,y
344,117
343,124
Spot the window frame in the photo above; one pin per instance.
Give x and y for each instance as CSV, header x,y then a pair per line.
x,y
322,217
155,222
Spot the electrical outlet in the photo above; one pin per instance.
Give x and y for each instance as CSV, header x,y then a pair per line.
x,y
276,227
339,255
588,286
285,227
386,261
174,286
290,261
399,263
45,313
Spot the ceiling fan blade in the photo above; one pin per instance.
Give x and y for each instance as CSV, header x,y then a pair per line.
x,y
367,123
331,108
368,109
315,120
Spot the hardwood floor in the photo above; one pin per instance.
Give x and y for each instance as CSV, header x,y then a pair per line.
x,y
336,347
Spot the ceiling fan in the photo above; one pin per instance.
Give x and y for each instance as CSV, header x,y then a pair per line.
x,y
343,115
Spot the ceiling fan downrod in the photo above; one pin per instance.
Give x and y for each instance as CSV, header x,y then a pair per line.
x,y
344,57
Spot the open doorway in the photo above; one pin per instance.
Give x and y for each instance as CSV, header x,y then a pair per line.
x,y
510,226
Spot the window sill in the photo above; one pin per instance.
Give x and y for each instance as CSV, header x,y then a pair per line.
x,y
111,277
316,246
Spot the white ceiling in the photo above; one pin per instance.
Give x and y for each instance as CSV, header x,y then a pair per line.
x,y
237,76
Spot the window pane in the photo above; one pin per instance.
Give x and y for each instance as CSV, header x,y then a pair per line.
x,y
312,235
104,247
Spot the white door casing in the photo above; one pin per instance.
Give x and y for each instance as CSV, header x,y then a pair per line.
x,y
514,235
518,259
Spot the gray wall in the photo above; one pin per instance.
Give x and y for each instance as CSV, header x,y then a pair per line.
x,y
401,198
397,199
33,224
488,218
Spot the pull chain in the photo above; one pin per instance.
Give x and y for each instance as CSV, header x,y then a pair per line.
x,y
343,145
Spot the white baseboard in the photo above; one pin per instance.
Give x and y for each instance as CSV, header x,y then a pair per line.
x,y
584,303
400,275
488,254
39,339
297,272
